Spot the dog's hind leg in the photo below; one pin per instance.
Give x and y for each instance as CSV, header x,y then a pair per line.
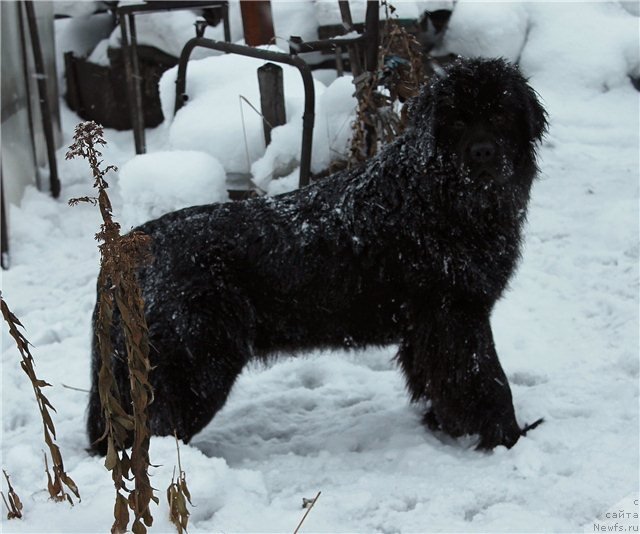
x,y
202,349
199,346
449,358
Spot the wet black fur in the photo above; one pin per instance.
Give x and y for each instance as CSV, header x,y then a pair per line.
x,y
413,247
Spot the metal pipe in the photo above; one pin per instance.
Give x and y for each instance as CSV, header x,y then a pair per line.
x,y
161,5
308,116
45,108
298,46
138,116
131,95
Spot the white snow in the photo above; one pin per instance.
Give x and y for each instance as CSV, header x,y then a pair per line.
x,y
338,422
335,111
219,88
151,185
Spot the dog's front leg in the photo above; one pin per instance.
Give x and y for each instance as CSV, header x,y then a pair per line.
x,y
449,358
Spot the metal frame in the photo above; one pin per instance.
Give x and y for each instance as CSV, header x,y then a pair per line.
x,y
308,117
369,39
129,45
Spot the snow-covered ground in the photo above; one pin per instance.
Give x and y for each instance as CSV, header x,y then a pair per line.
x,y
339,422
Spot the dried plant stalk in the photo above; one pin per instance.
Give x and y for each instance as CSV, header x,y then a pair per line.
x,y
56,485
118,289
398,76
14,504
177,496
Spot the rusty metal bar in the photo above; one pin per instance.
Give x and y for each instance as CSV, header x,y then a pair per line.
x,y
298,46
257,22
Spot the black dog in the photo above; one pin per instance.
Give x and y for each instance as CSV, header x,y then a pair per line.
x,y
413,247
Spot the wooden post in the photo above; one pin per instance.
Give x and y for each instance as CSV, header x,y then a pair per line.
x,y
257,22
271,98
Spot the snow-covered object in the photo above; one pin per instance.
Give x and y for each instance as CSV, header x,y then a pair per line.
x,y
154,184
596,59
169,31
79,34
217,118
487,29
100,54
595,49
334,116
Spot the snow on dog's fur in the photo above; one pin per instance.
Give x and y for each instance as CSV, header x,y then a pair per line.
x,y
413,247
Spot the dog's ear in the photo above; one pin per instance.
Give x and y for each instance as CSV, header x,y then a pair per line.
x,y
536,115
420,106
421,119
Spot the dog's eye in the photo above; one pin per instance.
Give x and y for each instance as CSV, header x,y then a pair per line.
x,y
459,124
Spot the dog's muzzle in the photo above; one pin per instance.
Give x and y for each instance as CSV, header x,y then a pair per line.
x,y
482,160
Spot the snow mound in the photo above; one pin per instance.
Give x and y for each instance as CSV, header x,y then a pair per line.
x,y
154,184
487,30
335,112
222,115
595,48
592,53
219,117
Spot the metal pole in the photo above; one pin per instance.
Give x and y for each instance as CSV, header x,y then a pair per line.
x,y
137,80
45,108
124,44
225,22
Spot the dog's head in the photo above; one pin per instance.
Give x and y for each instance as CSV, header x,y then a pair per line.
x,y
480,116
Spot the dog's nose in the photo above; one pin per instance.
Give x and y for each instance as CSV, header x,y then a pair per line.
x,y
482,152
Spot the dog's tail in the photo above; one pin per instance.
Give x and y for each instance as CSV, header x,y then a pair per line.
x,y
526,428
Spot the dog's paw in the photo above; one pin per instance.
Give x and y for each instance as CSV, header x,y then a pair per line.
x,y
430,420
500,433
496,434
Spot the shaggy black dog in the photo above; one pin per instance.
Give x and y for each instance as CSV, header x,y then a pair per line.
x,y
414,247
